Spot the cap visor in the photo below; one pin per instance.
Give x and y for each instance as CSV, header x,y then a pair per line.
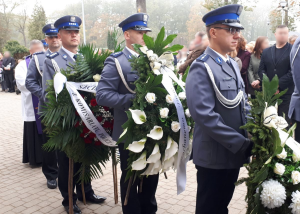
x,y
236,25
142,29
69,28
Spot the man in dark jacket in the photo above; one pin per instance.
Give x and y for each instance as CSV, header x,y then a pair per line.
x,y
2,81
275,60
8,65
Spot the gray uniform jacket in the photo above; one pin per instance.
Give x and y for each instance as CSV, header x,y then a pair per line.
x,y
112,92
218,141
34,79
63,61
294,111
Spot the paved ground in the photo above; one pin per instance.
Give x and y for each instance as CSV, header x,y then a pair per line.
x,y
24,191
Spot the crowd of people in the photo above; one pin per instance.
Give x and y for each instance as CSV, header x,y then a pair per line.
x,y
216,134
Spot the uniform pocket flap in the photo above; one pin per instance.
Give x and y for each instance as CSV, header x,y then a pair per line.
x,y
228,85
132,77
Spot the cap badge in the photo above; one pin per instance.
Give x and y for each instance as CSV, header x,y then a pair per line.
x,y
72,19
145,18
52,26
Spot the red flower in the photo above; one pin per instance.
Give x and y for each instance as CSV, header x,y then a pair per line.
x,y
92,135
106,108
107,125
93,102
87,140
99,118
77,124
82,135
98,143
86,130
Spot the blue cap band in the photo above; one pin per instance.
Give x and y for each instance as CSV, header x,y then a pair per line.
x,y
132,24
213,19
51,31
68,24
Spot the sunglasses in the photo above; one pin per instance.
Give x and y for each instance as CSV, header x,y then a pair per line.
x,y
233,31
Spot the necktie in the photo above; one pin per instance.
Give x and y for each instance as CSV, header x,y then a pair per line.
x,y
75,57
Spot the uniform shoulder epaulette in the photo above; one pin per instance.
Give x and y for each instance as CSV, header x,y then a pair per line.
x,y
117,54
37,53
51,56
203,57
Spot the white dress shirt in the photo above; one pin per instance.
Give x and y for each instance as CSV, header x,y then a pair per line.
x,y
27,106
225,59
133,52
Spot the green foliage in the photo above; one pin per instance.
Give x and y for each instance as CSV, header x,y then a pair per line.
x,y
14,48
112,39
37,22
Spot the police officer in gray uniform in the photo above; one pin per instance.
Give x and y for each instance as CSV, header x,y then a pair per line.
x,y
218,105
294,111
34,85
117,92
68,33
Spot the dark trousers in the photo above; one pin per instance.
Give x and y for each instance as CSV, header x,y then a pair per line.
x,y
63,178
3,84
297,131
49,164
215,189
283,108
138,202
10,80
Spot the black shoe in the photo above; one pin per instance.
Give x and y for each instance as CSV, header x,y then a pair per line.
x,y
18,92
94,199
51,184
75,209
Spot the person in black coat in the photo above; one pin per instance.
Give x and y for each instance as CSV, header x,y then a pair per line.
x,y
275,60
8,65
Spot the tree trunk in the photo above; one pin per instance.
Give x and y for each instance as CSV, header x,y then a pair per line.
x,y
141,6
24,38
286,18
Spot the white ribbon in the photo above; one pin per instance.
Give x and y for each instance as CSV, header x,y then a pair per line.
x,y
79,103
164,65
271,119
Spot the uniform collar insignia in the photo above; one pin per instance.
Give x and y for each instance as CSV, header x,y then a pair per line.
x,y
219,60
65,56
130,56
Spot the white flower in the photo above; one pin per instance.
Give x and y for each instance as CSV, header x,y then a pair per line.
x,y
144,49
140,163
187,113
59,81
137,146
149,53
182,95
167,164
155,155
150,97
156,133
273,194
296,177
189,128
175,126
279,169
155,67
97,77
172,148
169,99
296,157
153,168
282,155
164,112
295,205
138,116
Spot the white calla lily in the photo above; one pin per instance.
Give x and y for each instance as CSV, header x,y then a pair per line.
x,y
149,53
59,82
140,163
153,168
167,164
137,146
156,133
155,155
144,49
172,148
138,116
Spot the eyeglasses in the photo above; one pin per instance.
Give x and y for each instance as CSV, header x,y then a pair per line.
x,y
233,31
52,37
